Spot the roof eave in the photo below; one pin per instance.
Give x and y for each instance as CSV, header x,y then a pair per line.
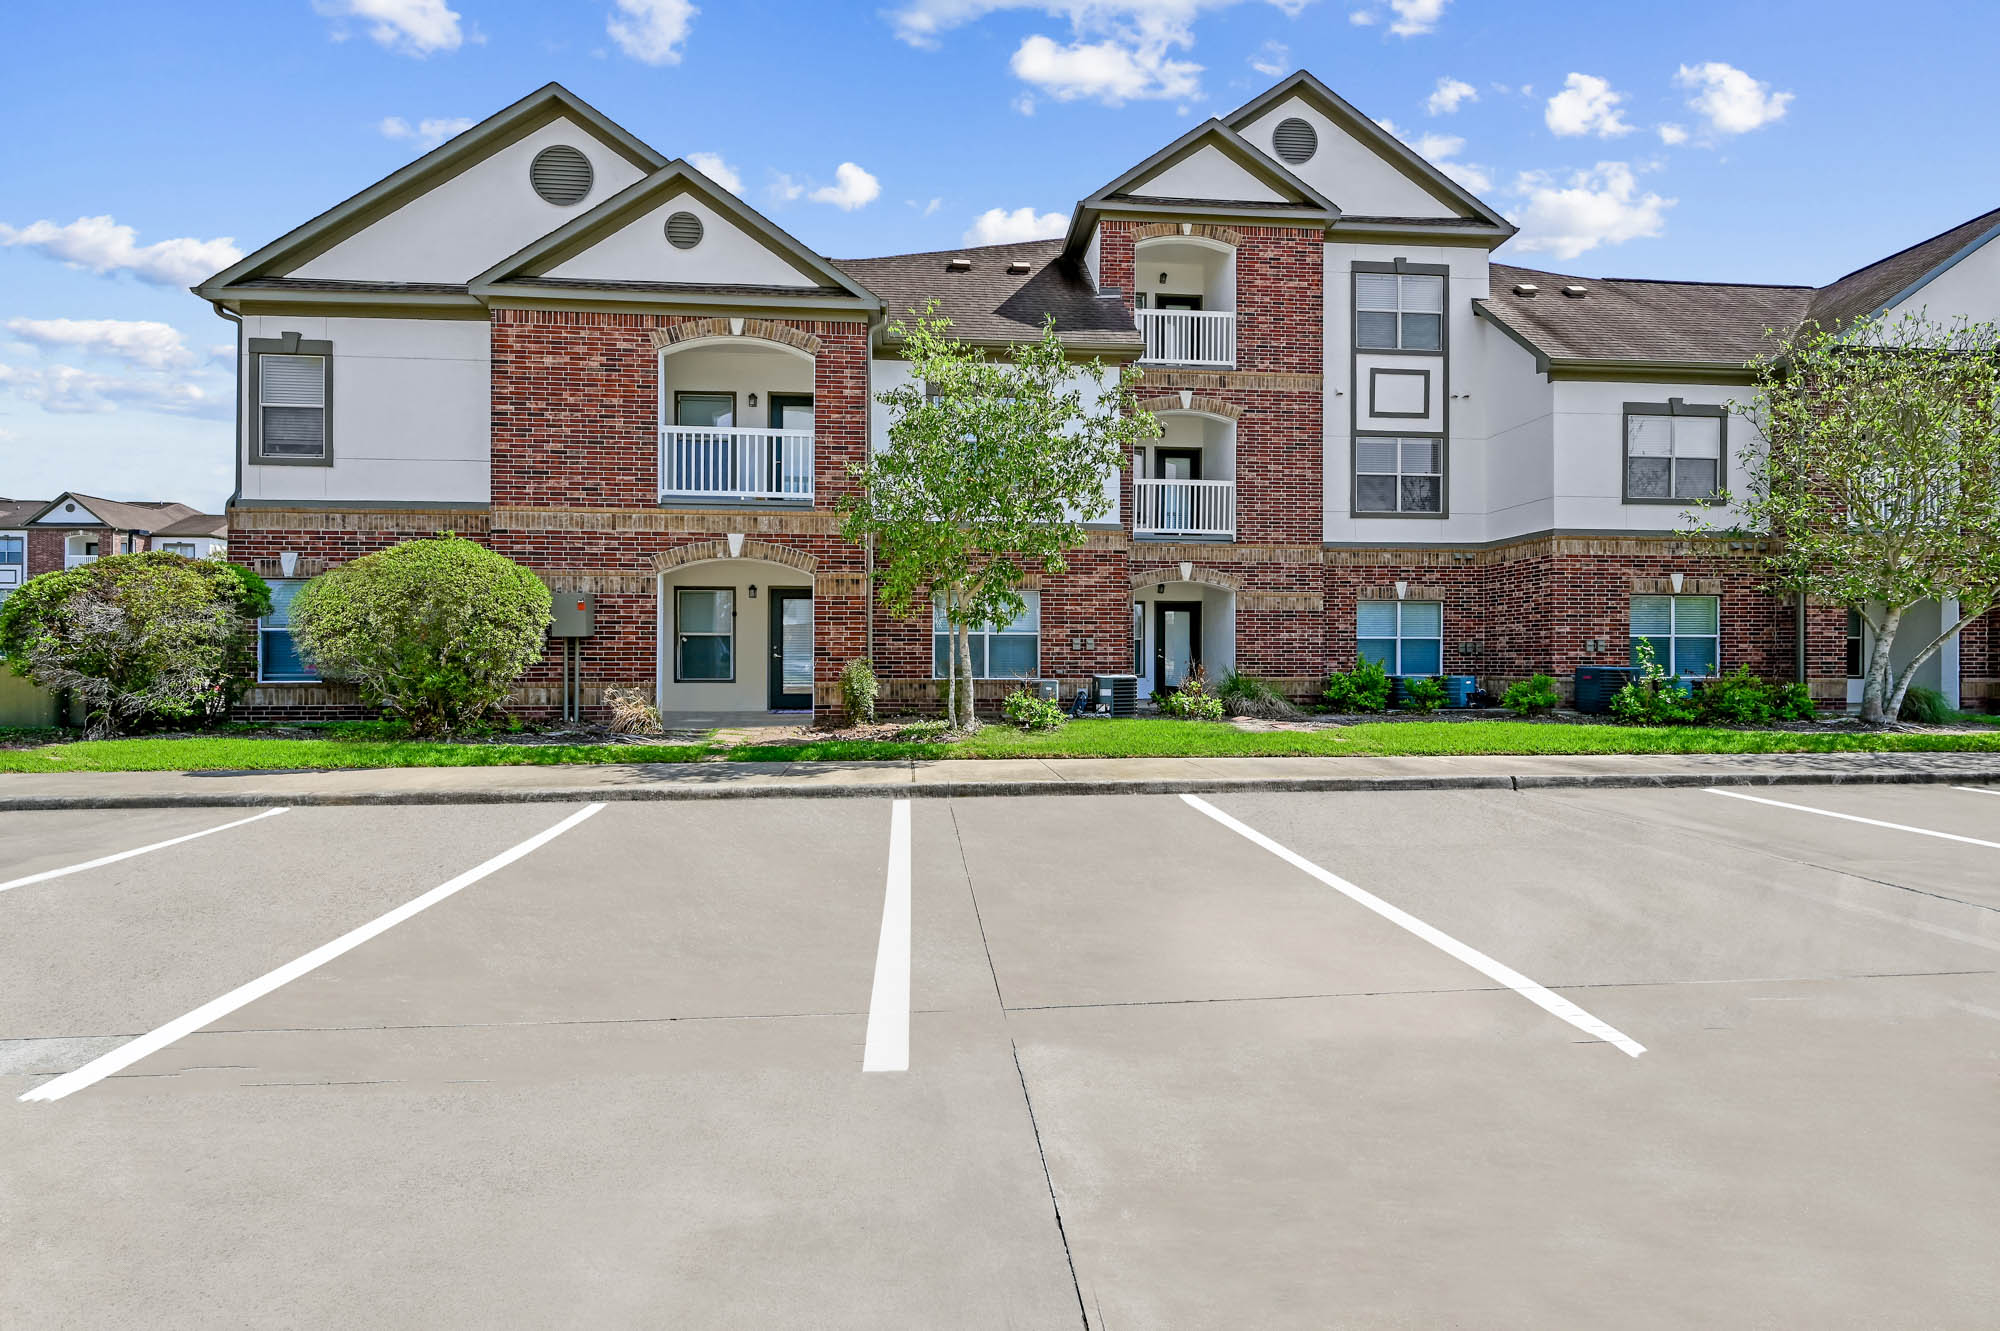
x,y
530,294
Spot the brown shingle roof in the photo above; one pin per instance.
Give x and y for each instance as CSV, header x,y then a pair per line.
x,y
196,524
16,512
1626,319
131,515
989,304
1866,290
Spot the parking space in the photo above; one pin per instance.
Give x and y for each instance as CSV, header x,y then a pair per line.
x,y
1160,1075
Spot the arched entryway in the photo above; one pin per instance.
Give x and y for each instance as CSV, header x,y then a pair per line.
x,y
736,632
1181,621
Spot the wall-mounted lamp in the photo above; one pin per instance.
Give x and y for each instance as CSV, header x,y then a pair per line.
x,y
1160,589
753,591
753,399
1163,279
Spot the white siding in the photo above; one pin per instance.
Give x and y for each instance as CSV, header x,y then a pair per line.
x,y
1970,287
1206,173
412,412
1351,173
639,252
1519,412
459,229
1590,451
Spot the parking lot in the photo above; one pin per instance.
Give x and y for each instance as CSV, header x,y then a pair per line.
x,y
1634,1058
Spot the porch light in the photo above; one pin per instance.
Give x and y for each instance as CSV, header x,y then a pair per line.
x,y
753,399
753,591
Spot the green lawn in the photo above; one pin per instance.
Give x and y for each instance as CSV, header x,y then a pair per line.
x,y
241,748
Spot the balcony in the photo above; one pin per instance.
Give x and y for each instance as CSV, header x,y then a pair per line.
x,y
1189,337
702,462
1195,510
78,561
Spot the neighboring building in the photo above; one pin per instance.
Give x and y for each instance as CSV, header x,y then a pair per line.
x,y
14,515
74,529
198,536
547,335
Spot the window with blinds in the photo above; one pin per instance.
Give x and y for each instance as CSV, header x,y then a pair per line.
x,y
1673,452
999,651
1685,633
1399,311
291,405
1393,474
1403,637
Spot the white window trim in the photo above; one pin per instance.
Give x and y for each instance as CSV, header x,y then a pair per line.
x,y
1673,634
285,629
1033,597
1400,636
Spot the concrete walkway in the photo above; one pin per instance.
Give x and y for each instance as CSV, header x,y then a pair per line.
x,y
966,777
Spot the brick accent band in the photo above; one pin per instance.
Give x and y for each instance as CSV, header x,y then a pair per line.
x,y
764,329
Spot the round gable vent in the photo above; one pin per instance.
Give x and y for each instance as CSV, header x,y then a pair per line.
x,y
561,175
683,231
1295,140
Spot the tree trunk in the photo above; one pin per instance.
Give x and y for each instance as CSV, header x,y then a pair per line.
x,y
951,660
1874,692
1916,663
971,716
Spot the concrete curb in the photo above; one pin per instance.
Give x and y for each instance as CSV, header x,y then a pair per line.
x,y
977,789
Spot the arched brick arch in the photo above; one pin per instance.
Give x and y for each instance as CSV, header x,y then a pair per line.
x,y
1214,406
767,330
1155,230
1207,577
700,552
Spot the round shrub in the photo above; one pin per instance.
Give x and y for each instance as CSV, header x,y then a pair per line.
x,y
1031,711
433,631
144,639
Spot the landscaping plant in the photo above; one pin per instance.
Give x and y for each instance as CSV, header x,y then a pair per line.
x,y
858,690
143,639
1423,694
1653,699
1246,695
434,631
1535,695
1192,701
1362,689
1926,706
1740,698
1031,711
991,468
632,712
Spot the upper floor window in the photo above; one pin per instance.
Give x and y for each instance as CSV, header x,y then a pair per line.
x,y
278,658
13,550
1673,451
1685,632
1403,637
1399,311
178,548
999,651
291,395
1394,475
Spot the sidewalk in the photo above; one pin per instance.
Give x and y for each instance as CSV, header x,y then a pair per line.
x,y
961,777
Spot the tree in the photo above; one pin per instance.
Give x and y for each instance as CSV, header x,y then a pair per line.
x,y
991,468
434,631
150,638
1881,481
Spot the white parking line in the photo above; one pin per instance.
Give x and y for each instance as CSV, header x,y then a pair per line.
x,y
1471,956
47,874
888,1046
1855,818
1978,790
127,1054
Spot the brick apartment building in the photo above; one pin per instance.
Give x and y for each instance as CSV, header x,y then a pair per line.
x,y
1375,441
40,535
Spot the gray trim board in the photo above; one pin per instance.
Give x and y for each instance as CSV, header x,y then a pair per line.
x,y
286,344
1376,413
364,505
1354,354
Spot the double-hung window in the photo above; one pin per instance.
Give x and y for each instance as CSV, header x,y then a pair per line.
x,y
1685,632
13,562
999,651
278,658
1403,637
1393,474
291,396
1673,451
704,634
1854,644
178,548
1399,311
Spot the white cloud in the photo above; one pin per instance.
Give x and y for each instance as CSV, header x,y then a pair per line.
x,y
1449,95
1025,104
1672,135
1414,18
103,246
1361,18
1586,105
1440,150
651,31
1601,206
997,226
430,133
1730,101
852,188
409,27
715,168
785,189
67,390
142,342
1272,59
926,209
1108,71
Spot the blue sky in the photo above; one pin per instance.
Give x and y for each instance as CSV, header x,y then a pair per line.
x,y
148,143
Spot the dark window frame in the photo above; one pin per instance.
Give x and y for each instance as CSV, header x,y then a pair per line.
x,y
1671,407
705,679
1400,268
1376,414
1355,473
286,344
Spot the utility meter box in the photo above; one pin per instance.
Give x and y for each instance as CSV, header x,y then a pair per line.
x,y
575,614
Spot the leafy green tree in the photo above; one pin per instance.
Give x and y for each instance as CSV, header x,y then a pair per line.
x,y
433,631
1881,482
992,466
142,639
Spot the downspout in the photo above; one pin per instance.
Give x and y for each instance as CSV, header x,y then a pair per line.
x,y
236,445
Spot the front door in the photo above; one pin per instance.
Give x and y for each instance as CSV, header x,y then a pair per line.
x,y
1176,501
791,672
1176,642
790,461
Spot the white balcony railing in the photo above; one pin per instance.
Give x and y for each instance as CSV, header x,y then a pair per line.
x,y
78,561
698,462
1189,337
1204,509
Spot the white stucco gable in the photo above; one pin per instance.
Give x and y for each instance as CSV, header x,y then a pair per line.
x,y
1206,173
727,252
1352,173
1967,287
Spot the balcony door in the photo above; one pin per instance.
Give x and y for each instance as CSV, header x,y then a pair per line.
x,y
791,674
1176,502
704,454
1176,642
790,465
